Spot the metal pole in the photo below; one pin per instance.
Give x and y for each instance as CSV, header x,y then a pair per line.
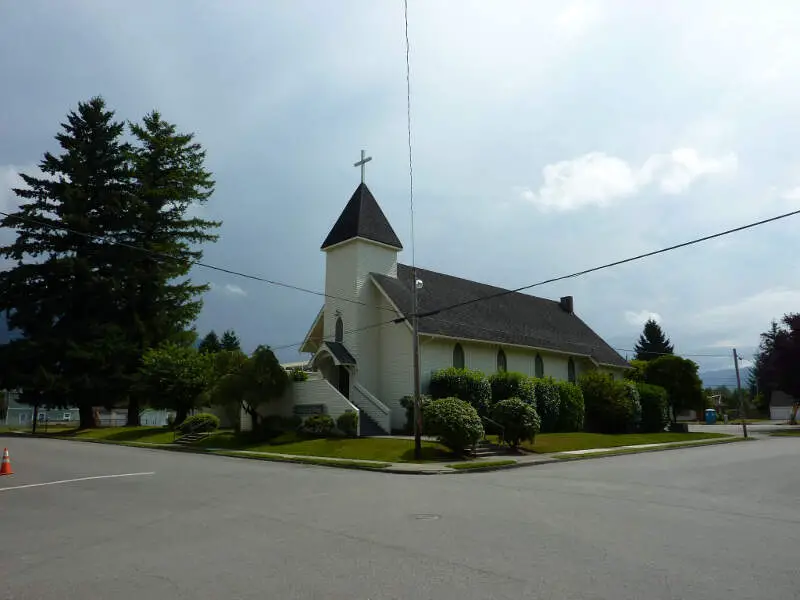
x,y
741,396
417,384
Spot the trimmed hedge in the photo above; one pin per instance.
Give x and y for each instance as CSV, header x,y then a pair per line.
x,y
572,411
548,403
455,422
510,384
633,395
519,420
610,407
347,423
199,423
655,408
467,385
319,425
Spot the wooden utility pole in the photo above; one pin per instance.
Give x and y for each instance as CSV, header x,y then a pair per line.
x,y
739,391
417,386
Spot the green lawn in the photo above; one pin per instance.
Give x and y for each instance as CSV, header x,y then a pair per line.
x,y
148,435
546,443
787,433
380,449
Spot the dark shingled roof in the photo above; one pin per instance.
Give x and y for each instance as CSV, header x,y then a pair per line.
x,y
514,318
362,217
341,353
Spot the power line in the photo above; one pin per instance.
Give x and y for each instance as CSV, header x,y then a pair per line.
x,y
190,262
396,321
608,265
677,354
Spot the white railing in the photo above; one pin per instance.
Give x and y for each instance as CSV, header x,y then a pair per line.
x,y
320,391
377,410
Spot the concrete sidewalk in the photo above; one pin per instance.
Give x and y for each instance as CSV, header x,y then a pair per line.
x,y
441,468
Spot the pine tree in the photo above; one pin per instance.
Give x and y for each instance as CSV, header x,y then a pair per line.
x,y
230,341
653,342
210,344
169,181
62,294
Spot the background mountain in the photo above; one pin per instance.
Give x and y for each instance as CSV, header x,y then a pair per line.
x,y
725,377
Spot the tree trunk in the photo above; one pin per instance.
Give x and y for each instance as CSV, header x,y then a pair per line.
x,y
133,412
35,418
180,415
87,417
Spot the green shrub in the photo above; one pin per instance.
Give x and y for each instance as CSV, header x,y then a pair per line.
x,y
609,406
319,425
407,402
509,384
548,403
632,391
347,423
455,422
519,420
298,375
467,385
199,423
572,412
655,408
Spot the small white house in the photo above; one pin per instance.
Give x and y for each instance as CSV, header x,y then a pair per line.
x,y
780,406
360,343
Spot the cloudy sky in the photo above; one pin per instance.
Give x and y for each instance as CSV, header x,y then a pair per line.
x,y
548,137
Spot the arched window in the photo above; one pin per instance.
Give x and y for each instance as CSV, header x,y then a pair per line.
x,y
458,356
571,371
539,370
339,336
501,360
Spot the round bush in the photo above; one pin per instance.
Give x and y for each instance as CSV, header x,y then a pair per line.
x,y
655,408
519,420
347,423
470,386
609,406
199,423
548,403
319,425
508,384
572,411
455,422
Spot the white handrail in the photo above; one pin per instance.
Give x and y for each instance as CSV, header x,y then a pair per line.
x,y
378,404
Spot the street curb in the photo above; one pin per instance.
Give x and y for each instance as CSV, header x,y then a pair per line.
x,y
341,463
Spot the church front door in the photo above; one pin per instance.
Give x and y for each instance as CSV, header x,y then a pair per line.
x,y
344,381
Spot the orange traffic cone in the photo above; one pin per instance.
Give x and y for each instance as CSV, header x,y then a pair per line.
x,y
5,467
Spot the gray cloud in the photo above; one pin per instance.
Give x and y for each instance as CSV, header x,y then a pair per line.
x,y
284,95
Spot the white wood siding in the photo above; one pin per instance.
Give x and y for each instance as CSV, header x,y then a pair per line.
x,y
437,353
396,377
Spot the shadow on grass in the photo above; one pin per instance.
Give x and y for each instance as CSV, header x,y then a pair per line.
x,y
429,454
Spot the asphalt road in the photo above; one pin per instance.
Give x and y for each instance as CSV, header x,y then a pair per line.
x,y
720,522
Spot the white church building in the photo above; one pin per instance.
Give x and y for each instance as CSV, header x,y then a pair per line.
x,y
360,342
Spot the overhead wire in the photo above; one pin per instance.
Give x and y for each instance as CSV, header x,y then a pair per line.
x,y
616,263
190,262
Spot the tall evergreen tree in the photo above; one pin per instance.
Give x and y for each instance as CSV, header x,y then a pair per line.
x,y
230,341
62,294
761,380
170,180
210,344
653,342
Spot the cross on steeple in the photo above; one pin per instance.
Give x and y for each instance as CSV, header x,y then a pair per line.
x,y
361,164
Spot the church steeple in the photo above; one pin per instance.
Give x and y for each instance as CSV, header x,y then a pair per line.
x,y
362,218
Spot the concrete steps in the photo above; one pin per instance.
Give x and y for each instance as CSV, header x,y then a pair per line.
x,y
190,438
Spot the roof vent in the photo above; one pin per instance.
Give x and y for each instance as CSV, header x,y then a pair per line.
x,y
566,304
